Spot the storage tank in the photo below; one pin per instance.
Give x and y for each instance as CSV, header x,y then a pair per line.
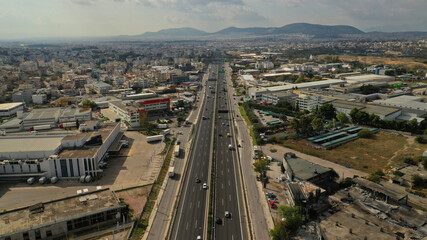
x,y
53,179
88,178
31,180
42,180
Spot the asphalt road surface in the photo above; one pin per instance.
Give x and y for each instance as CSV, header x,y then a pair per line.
x,y
190,218
228,188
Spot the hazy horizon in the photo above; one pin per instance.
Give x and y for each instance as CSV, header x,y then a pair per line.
x,y
97,18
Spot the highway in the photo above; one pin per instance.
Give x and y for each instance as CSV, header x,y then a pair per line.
x,y
228,187
256,204
162,218
190,220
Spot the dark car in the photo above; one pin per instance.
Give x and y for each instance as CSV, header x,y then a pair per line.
x,y
198,180
218,221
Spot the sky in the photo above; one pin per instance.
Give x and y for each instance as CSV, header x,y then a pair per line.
x,y
87,18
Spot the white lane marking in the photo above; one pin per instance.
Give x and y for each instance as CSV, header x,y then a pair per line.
x,y
229,196
222,200
198,204
195,225
191,205
186,227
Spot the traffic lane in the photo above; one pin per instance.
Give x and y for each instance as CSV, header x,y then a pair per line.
x,y
227,193
192,214
259,223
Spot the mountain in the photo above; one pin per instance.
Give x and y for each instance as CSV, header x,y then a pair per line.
x,y
243,31
175,32
315,31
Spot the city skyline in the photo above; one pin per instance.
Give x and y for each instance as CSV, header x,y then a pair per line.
x,y
95,18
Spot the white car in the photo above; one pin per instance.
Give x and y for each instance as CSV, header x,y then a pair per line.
x,y
205,186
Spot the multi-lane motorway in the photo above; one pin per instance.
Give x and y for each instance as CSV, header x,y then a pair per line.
x,y
228,187
190,220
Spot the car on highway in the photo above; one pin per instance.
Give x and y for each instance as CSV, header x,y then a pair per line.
x,y
218,221
205,186
228,135
198,180
199,238
227,214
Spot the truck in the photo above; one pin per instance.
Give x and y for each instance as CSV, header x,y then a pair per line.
x,y
41,127
171,172
162,126
166,132
177,151
154,138
68,125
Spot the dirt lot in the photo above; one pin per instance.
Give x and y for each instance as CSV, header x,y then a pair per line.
x,y
136,198
366,155
406,62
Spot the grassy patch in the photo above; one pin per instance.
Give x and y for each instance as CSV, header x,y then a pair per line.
x,y
152,197
367,155
251,133
244,116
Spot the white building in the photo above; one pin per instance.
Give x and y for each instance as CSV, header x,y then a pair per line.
x,y
10,109
59,156
39,99
368,78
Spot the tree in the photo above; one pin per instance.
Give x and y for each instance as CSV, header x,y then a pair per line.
x,y
326,111
283,117
317,124
418,181
342,118
369,89
302,125
292,217
421,139
89,103
365,133
280,231
261,166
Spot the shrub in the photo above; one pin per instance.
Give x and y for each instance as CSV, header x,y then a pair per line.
x,y
421,139
398,173
365,133
409,161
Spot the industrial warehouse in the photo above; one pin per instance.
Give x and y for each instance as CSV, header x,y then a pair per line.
x,y
58,156
62,218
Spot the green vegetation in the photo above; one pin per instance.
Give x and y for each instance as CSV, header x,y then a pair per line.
x,y
365,133
421,139
89,104
342,118
363,118
168,90
283,230
419,181
398,173
261,166
369,89
327,111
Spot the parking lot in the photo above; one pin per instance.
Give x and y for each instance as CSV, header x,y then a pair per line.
x,y
264,118
136,165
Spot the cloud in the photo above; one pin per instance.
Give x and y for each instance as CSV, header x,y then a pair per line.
x,y
85,2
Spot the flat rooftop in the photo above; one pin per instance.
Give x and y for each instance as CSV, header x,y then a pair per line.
x,y
29,144
105,131
56,211
7,106
305,85
304,169
44,113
